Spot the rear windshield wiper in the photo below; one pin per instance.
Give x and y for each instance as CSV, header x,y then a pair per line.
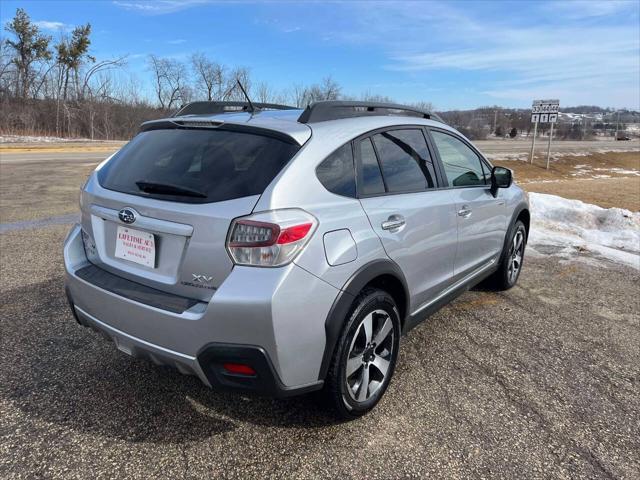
x,y
169,189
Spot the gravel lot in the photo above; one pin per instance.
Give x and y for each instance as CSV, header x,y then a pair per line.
x,y
538,382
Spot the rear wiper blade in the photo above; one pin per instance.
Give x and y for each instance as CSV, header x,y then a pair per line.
x,y
169,189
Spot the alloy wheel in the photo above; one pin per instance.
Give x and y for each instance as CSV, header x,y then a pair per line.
x,y
370,355
515,256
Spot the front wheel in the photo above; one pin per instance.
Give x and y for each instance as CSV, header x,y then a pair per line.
x,y
512,258
365,355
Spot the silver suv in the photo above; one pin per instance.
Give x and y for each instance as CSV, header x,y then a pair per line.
x,y
279,251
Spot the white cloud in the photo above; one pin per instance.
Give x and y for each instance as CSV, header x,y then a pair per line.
x,y
177,41
580,9
594,56
53,26
158,7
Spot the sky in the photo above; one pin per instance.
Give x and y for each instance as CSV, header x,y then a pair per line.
x,y
456,55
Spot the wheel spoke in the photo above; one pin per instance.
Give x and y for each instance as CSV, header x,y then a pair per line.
x,y
381,364
384,332
367,324
363,389
353,364
518,242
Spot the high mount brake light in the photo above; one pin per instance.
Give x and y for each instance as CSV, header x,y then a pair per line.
x,y
272,243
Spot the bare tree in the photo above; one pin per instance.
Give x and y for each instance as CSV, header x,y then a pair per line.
x,y
233,92
426,106
265,93
209,77
330,89
170,79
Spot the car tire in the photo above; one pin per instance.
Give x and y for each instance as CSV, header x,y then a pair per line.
x,y
367,351
512,258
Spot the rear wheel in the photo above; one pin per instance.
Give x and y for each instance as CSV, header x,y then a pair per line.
x,y
512,258
365,355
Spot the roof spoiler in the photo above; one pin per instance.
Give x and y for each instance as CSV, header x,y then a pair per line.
x,y
334,110
210,108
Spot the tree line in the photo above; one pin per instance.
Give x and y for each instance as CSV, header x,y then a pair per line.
x,y
57,87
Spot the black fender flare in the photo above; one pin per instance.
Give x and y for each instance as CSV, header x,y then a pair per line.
x,y
344,301
522,206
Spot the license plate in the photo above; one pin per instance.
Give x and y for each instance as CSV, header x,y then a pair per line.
x,y
136,246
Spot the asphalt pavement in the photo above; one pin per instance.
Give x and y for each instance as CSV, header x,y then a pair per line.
x,y
537,382
541,381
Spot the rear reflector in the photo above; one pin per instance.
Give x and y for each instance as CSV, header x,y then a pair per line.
x,y
239,369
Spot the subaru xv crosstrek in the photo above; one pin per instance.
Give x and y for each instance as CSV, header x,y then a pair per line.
x,y
279,251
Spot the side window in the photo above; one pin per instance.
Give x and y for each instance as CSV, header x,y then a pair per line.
x,y
405,160
337,173
461,164
371,182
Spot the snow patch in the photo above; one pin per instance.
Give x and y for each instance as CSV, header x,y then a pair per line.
x,y
37,139
507,156
575,227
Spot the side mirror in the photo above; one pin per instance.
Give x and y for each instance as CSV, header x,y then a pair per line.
x,y
500,178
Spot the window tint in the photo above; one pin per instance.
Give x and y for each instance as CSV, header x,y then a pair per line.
x,y
461,164
336,172
215,164
405,160
371,178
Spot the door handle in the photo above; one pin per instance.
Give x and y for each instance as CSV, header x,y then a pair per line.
x,y
394,222
465,211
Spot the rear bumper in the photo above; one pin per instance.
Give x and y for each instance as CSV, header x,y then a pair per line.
x,y
272,318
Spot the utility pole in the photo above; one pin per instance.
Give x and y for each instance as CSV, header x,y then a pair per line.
x,y
495,120
533,141
549,146
617,122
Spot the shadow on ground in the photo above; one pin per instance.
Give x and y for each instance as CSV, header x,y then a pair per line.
x,y
69,375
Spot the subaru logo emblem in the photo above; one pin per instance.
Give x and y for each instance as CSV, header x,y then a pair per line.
x,y
127,215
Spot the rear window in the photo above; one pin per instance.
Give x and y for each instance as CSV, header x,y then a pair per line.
x,y
196,166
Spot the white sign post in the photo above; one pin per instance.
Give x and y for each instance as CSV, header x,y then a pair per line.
x,y
534,119
543,111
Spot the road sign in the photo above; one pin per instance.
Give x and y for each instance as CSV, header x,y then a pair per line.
x,y
545,106
543,111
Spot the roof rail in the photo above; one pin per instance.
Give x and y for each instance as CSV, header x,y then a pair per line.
x,y
210,108
336,109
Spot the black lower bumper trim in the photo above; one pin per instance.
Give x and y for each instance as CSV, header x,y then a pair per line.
x,y
134,291
266,381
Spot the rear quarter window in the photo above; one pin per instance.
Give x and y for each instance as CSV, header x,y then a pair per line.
x,y
218,164
337,172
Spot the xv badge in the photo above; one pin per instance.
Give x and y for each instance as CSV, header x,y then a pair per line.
x,y
201,278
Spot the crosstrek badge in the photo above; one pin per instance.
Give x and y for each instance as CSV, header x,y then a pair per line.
x,y
136,246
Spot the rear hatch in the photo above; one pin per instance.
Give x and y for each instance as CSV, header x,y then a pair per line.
x,y
158,212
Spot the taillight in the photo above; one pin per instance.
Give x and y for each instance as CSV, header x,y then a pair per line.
x,y
270,239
